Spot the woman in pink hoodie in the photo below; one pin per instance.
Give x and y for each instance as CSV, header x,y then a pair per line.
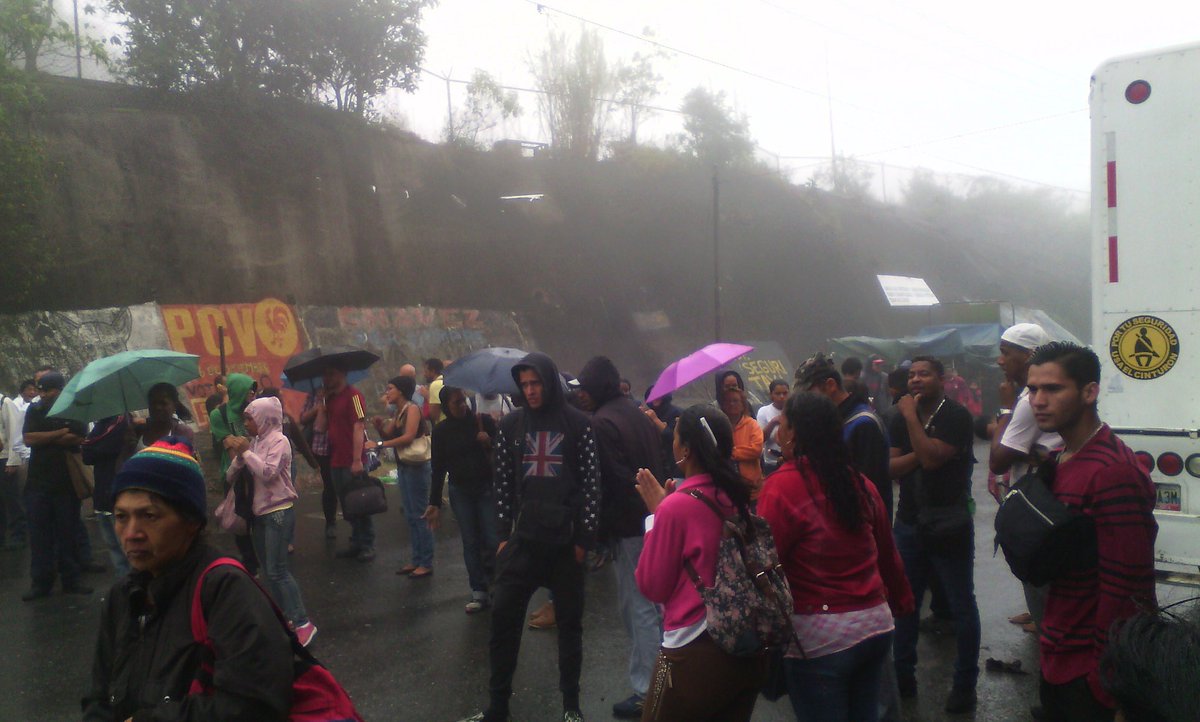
x,y
694,679
269,459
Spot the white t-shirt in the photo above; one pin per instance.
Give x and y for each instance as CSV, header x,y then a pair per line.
x,y
1022,435
765,415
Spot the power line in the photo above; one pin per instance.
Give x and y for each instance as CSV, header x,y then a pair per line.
x,y
542,7
977,131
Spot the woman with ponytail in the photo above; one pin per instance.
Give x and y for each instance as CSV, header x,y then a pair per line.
x,y
693,680
835,543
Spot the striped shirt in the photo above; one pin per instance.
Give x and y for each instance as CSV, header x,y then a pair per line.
x,y
343,410
1105,481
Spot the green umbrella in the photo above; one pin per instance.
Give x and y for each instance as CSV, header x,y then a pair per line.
x,y
115,384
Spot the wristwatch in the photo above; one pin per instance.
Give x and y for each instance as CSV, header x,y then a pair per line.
x,y
1003,412
378,444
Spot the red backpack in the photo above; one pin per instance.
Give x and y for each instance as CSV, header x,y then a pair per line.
x,y
316,695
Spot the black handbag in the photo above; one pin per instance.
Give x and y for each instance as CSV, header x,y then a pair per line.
x,y
1043,539
364,497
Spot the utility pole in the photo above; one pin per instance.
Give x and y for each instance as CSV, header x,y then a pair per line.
x,y
78,50
833,163
716,217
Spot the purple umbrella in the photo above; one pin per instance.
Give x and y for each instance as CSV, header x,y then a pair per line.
x,y
694,365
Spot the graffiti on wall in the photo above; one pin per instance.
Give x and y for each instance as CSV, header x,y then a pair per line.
x,y
259,339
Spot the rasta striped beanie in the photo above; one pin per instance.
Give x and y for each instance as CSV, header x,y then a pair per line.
x,y
168,467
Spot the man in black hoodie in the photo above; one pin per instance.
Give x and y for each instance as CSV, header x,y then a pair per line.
x,y
627,442
547,505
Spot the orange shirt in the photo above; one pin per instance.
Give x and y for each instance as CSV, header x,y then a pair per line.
x,y
747,450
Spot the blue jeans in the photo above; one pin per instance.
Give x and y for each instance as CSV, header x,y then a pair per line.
x,y
414,494
53,543
362,528
476,514
642,622
104,520
839,687
956,572
271,533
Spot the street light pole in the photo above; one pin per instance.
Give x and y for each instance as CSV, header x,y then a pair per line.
x,y
716,217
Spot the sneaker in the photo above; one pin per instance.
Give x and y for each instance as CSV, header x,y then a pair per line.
x,y
366,555
475,606
77,589
908,685
547,620
305,633
630,708
541,611
35,593
572,715
348,553
961,699
330,531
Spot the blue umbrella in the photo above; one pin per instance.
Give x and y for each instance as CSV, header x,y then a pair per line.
x,y
119,383
486,371
314,384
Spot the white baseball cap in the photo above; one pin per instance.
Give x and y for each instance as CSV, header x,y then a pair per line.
x,y
1025,335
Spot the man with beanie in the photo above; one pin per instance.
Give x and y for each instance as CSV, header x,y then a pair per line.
x,y
627,442
1017,442
51,505
145,661
547,503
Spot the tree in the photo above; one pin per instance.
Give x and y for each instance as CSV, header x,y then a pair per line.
x,y
342,52
574,81
712,132
28,28
637,84
845,176
487,105
22,185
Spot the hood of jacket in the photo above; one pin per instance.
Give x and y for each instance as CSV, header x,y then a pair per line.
x,y
267,413
553,398
238,386
601,380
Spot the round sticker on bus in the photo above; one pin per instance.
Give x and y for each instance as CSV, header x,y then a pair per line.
x,y
1144,347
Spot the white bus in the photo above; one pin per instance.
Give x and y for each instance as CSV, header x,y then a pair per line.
x,y
1145,112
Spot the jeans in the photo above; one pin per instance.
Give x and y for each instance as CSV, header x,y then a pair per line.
x,y
642,621
329,497
270,533
53,522
956,572
521,568
839,687
362,528
414,482
104,520
476,514
12,515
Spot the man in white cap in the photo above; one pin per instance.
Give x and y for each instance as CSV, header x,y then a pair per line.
x,y
1017,443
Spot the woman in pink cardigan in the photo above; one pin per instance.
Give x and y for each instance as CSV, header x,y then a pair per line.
x,y
269,460
834,539
693,680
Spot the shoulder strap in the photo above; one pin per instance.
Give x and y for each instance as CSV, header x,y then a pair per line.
x,y
867,415
200,624
695,494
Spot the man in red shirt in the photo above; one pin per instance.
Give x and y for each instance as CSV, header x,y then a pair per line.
x,y
346,417
1099,476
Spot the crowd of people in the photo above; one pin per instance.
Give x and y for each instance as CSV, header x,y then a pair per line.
x,y
575,472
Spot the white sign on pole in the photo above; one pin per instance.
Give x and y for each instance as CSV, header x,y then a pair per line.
x,y
907,291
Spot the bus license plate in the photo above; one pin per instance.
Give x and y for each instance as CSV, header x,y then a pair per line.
x,y
1168,497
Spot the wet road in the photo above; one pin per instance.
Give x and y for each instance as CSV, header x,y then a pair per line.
x,y
405,650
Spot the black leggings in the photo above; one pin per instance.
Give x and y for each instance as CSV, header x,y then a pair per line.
x,y
329,499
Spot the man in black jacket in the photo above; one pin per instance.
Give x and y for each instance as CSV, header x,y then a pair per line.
x,y
627,441
547,504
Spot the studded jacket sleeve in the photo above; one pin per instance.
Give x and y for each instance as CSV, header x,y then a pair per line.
x,y
589,476
505,482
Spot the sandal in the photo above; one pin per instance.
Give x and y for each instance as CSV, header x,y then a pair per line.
x,y
407,569
1022,618
421,573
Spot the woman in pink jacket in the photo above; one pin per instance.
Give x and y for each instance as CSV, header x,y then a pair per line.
x,y
269,459
693,680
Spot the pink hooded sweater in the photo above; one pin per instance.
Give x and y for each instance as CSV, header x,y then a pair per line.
x,y
269,458
684,528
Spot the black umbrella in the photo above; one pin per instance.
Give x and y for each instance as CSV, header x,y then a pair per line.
x,y
312,363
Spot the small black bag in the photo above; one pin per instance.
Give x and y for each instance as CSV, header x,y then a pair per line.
x,y
941,527
545,522
1043,539
364,497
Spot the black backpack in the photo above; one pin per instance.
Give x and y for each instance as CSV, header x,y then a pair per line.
x,y
1043,539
